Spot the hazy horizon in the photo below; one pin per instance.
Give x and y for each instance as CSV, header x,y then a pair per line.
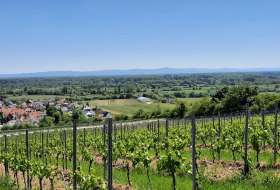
x,y
167,70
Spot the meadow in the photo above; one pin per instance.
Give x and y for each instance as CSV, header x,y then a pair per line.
x,y
131,106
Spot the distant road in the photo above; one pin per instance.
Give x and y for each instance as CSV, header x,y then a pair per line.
x,y
22,131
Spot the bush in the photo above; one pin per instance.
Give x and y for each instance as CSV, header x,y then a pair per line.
x,y
180,94
140,114
121,117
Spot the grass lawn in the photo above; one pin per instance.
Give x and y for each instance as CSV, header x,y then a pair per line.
x,y
255,180
128,106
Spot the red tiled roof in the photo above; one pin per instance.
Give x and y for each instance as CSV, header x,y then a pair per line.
x,y
12,110
23,115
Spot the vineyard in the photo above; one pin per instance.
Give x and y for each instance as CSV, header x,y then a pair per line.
x,y
225,151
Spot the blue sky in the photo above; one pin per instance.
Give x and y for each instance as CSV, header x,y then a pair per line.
x,y
85,35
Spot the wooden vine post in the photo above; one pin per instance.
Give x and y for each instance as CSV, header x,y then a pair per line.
x,y
246,164
166,128
110,154
275,133
27,157
6,166
75,154
104,142
193,153
219,134
75,118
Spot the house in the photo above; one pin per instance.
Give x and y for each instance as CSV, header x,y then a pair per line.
x,y
45,102
22,115
60,101
38,106
12,110
51,103
57,106
23,105
106,115
144,100
64,109
65,104
29,102
73,106
88,111
90,114
11,123
35,116
9,103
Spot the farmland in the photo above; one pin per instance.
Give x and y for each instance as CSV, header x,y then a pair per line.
x,y
117,94
158,87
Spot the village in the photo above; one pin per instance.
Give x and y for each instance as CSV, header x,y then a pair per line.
x,y
33,112
40,113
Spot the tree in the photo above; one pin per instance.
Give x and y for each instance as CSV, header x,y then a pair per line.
x,y
220,94
51,110
180,109
64,90
180,94
47,121
57,117
139,114
264,101
204,106
67,118
76,115
237,96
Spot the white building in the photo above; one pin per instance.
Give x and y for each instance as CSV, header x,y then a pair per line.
x,y
144,100
88,111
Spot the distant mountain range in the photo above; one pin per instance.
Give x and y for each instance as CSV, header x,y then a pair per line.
x,y
159,71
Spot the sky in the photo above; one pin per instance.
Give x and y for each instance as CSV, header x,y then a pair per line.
x,y
89,35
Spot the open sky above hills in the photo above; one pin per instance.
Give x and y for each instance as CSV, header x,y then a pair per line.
x,y
50,35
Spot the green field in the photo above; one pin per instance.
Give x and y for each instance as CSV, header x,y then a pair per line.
x,y
128,106
189,100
